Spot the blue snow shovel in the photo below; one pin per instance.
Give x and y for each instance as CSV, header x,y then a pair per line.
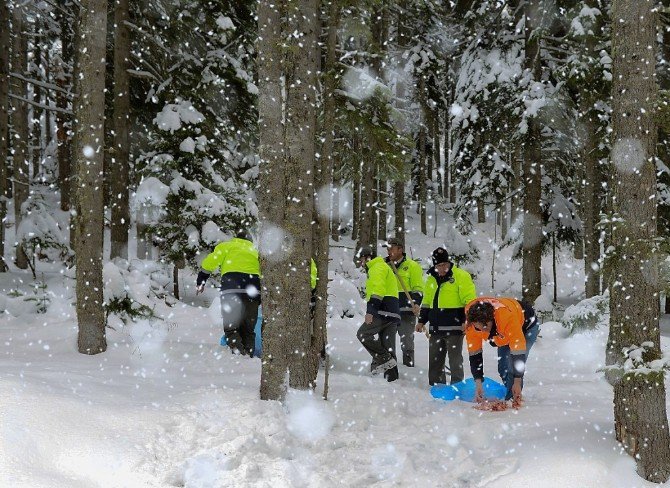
x,y
465,390
258,345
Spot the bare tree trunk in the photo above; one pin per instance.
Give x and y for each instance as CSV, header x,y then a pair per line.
x,y
504,218
365,234
89,149
422,156
591,201
335,222
437,164
36,139
517,185
481,211
383,210
323,175
640,417
399,210
119,172
356,205
532,171
21,165
4,123
287,58
62,120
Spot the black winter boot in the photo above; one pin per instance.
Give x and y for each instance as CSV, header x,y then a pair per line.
x,y
408,359
391,374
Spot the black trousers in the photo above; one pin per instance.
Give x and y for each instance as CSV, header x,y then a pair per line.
x,y
239,313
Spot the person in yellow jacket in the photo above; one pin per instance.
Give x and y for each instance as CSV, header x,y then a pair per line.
x,y
448,289
237,260
412,277
377,334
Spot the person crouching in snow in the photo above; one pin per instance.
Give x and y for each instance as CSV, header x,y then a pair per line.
x,y
447,291
238,262
509,325
382,314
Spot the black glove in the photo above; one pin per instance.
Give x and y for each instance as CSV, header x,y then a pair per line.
x,y
202,277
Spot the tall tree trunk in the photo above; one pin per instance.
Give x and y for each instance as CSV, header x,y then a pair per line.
x,y
74,144
401,94
640,417
21,164
504,218
356,196
422,156
532,170
293,60
481,211
383,210
437,158
63,80
399,210
36,139
591,206
336,218
4,123
365,234
47,97
323,179
516,202
591,203
119,172
89,149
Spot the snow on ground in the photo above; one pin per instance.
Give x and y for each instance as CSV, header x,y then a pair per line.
x,y
166,405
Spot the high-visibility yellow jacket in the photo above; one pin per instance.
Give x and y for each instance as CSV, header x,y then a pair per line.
x,y
381,289
237,259
444,300
412,276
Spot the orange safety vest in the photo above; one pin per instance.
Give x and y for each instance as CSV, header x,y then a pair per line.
x,y
509,319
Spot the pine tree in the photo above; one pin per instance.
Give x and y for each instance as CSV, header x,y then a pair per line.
x,y
89,148
4,122
640,416
287,67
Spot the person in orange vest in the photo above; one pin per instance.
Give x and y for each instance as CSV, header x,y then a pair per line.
x,y
509,325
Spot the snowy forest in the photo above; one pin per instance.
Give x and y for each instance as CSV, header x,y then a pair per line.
x,y
271,243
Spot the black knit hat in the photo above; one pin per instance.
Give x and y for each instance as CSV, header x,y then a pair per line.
x,y
366,251
440,255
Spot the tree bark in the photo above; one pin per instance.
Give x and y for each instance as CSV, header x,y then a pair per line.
x,y
4,123
532,171
365,232
591,203
323,175
287,66
63,80
481,211
89,149
21,166
119,172
640,417
383,210
516,203
356,196
36,139
422,155
399,210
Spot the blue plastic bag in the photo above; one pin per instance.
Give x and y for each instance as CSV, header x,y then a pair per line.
x,y
258,345
465,390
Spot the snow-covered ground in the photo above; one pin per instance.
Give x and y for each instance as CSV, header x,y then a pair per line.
x,y
166,405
